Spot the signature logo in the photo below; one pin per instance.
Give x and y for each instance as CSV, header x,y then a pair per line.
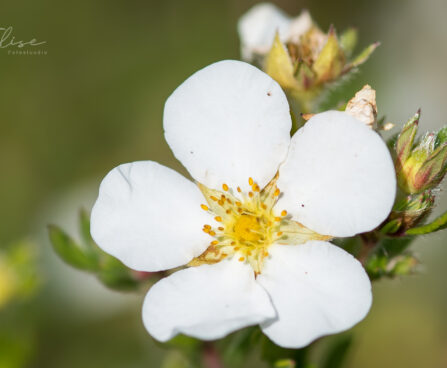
x,y
9,41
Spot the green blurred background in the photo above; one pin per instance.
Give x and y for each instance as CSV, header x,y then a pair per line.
x,y
95,100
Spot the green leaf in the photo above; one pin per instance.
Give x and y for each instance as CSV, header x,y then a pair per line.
x,y
337,352
391,227
348,41
439,223
284,363
363,56
115,275
273,353
84,227
392,247
237,346
441,137
71,252
405,140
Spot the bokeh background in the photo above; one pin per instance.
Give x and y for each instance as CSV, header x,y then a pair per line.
x,y
95,100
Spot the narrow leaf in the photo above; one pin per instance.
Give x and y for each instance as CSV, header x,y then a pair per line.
x,y
363,56
438,224
70,251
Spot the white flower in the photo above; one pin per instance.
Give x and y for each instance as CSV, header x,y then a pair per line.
x,y
257,28
250,229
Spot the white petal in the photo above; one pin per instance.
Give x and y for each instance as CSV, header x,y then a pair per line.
x,y
207,302
339,177
149,217
316,289
257,28
299,26
228,122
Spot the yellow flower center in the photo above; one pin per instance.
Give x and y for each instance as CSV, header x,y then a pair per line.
x,y
246,225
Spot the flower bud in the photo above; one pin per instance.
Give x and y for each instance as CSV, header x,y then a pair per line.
x,y
424,166
408,213
301,58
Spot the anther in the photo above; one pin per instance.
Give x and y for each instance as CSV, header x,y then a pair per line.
x,y
239,189
204,207
263,206
212,233
225,187
250,194
220,228
279,233
250,181
207,227
241,259
277,218
213,198
228,212
238,203
214,242
283,213
277,192
218,218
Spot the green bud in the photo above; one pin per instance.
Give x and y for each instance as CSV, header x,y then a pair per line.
x,y
408,213
405,140
424,166
379,265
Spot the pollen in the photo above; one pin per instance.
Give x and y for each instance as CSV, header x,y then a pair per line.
x,y
248,225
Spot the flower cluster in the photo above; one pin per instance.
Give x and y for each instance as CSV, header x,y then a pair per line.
x,y
296,53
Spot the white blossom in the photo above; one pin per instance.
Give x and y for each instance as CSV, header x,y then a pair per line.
x,y
253,227
257,28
